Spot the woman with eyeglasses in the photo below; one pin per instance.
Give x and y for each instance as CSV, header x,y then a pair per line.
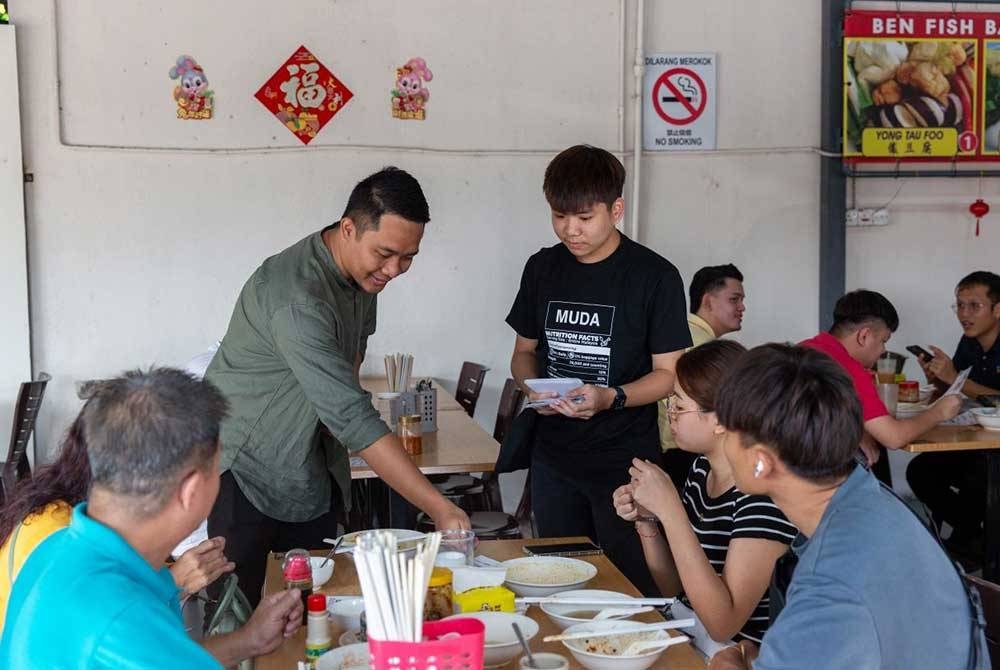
x,y
712,543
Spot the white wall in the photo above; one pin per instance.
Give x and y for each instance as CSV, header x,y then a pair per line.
x,y
15,362
137,254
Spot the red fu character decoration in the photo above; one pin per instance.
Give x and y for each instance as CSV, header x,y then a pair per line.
x,y
979,209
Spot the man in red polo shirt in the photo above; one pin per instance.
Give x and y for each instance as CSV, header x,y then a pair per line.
x,y
863,322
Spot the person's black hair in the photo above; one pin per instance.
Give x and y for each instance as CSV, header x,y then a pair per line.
x,y
145,431
982,278
388,191
861,307
581,177
800,403
710,279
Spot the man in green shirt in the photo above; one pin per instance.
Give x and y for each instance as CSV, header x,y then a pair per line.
x,y
289,362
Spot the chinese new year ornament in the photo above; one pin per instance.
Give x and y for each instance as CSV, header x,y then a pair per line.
x,y
192,95
410,96
979,209
304,95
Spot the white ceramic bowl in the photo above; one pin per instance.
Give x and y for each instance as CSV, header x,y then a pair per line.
x,y
351,657
605,661
501,645
987,417
547,575
321,573
560,614
926,391
345,612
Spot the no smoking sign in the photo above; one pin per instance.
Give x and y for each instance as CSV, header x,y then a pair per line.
x,y
679,102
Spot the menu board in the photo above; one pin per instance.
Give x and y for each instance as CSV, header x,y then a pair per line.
x,y
921,86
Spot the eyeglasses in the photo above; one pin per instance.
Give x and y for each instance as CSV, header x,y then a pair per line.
x,y
672,410
971,307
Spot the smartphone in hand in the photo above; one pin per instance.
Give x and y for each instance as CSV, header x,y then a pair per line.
x,y
919,351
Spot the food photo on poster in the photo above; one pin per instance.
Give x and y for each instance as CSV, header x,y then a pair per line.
x,y
991,98
908,84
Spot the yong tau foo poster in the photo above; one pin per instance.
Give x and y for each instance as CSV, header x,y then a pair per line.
x,y
921,86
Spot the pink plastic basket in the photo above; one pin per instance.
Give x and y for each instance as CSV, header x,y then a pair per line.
x,y
463,651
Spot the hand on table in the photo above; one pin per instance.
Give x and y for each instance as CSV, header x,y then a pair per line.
x,y
941,366
585,401
200,566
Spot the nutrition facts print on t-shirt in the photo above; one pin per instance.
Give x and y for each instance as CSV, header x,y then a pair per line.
x,y
579,338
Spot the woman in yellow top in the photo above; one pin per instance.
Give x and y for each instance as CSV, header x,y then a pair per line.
x,y
42,505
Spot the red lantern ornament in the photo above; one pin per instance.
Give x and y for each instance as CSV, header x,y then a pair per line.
x,y
979,209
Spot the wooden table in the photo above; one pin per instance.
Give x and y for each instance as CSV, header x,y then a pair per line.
x,y
973,438
445,401
458,446
345,582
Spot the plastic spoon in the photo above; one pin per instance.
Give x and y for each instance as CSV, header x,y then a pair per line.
x,y
646,646
619,612
524,644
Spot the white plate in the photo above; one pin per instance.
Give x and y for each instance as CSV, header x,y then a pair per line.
x,y
545,575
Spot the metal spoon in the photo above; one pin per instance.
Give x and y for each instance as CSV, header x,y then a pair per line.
x,y
336,546
524,644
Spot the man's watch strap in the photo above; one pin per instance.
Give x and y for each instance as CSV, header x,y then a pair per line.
x,y
620,398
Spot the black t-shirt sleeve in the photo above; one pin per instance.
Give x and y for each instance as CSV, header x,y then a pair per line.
x,y
668,327
523,313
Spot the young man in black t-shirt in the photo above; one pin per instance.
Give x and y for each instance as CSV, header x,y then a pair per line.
x,y
953,484
603,309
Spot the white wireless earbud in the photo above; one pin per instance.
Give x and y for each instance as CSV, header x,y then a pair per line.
x,y
757,469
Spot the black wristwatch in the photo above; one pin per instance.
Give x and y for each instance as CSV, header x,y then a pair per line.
x,y
620,398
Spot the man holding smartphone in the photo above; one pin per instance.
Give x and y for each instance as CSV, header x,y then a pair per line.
x,y
603,309
953,484
863,322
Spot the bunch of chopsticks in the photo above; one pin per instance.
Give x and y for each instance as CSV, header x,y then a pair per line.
x,y
394,585
398,368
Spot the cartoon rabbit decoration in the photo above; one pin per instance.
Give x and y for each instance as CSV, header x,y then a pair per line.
x,y
410,95
193,97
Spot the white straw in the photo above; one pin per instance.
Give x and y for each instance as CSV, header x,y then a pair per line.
x,y
394,585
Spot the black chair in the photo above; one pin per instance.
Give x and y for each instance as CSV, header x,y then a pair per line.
x,y
470,385
17,466
989,594
481,496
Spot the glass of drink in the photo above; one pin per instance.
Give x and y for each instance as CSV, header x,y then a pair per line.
x,y
457,548
886,368
889,394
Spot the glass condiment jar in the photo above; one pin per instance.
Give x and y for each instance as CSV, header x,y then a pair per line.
x,y
297,571
909,391
438,604
411,434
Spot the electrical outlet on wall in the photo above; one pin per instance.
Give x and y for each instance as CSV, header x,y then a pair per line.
x,y
852,217
880,217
